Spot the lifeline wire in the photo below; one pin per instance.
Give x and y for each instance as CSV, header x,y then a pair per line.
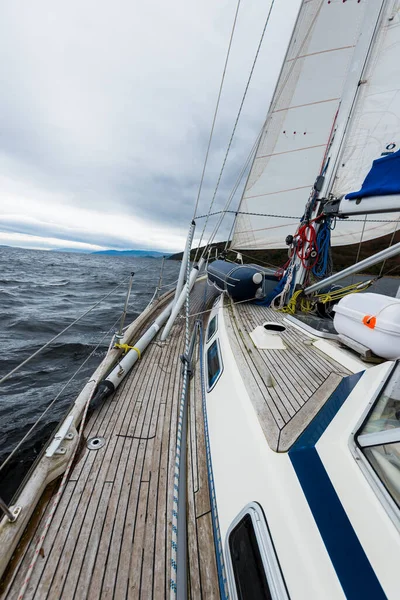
x,y
7,460
254,214
60,334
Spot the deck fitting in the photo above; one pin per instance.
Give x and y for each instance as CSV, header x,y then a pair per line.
x,y
95,443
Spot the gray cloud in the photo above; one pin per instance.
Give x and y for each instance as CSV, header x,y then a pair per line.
x,y
106,108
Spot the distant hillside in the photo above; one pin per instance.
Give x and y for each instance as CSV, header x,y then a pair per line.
x,y
71,250
343,256
141,253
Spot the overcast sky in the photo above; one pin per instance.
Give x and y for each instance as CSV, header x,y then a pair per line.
x,y
106,108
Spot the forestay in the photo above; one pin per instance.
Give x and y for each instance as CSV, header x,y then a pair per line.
x,y
303,117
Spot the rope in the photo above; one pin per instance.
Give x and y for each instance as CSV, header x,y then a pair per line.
x,y
237,117
285,285
306,305
13,452
32,356
216,109
323,263
344,291
126,348
306,245
58,495
175,504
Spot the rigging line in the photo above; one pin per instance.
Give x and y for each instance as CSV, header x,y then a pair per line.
x,y
238,115
7,460
390,271
390,244
60,334
233,192
359,244
361,239
261,262
228,239
254,214
216,109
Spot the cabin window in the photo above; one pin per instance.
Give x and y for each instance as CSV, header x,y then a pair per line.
x,y
252,565
379,438
212,328
248,568
214,363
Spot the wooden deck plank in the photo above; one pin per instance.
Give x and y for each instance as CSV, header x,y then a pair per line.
x,y
202,493
117,568
193,567
208,566
105,542
151,519
80,574
136,557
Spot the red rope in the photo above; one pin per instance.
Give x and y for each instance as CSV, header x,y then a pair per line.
x,y
306,244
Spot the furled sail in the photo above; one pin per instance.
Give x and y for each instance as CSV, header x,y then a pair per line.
x,y
312,101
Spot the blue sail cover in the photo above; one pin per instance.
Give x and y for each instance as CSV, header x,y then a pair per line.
x,y
383,178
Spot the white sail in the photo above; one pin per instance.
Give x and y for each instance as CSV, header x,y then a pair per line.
x,y
303,114
374,126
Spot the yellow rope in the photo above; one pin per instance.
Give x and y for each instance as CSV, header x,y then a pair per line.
x,y
290,308
307,304
126,347
337,294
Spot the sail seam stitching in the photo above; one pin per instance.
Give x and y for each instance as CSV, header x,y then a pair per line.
x,y
320,52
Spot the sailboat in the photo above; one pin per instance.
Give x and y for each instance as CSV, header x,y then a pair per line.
x,y
241,445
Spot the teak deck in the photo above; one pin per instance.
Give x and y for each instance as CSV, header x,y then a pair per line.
x,y
287,387
110,536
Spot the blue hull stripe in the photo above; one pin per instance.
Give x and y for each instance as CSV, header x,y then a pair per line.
x,y
348,558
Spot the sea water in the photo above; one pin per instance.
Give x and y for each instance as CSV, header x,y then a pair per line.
x,y
41,293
